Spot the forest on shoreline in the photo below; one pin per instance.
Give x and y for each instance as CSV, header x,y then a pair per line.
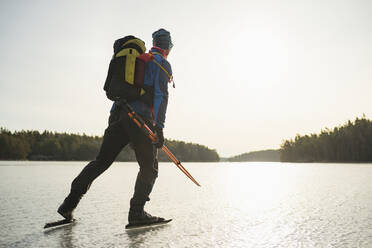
x,y
351,142
257,156
33,145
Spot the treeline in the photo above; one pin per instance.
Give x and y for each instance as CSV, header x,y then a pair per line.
x,y
351,142
33,145
262,156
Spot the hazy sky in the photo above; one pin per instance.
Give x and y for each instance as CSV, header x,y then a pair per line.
x,y
248,74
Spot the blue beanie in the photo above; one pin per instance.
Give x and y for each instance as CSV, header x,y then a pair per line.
x,y
162,39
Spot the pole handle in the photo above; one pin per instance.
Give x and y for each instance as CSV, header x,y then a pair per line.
x,y
147,131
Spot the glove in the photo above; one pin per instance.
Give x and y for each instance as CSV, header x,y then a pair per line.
x,y
160,137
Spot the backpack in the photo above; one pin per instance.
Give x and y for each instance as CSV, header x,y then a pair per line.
x,y
125,79
126,73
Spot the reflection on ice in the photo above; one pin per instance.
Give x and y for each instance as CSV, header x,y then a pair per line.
x,y
239,205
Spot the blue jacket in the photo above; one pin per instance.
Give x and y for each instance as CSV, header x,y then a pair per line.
x,y
156,78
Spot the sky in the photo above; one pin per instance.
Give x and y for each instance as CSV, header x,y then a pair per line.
x,y
248,74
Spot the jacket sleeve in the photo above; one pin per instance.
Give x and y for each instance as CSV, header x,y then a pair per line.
x,y
161,93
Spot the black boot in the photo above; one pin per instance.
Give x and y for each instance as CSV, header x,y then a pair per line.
x,y
141,217
68,206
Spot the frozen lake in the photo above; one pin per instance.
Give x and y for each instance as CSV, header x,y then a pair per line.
x,y
238,205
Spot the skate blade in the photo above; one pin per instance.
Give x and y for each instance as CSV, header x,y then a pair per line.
x,y
144,226
59,223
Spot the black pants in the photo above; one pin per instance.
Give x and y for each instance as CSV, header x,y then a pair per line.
x,y
120,132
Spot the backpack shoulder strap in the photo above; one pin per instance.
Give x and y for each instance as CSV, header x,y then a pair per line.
x,y
170,77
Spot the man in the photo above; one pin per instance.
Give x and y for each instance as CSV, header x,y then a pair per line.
x,y
122,131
